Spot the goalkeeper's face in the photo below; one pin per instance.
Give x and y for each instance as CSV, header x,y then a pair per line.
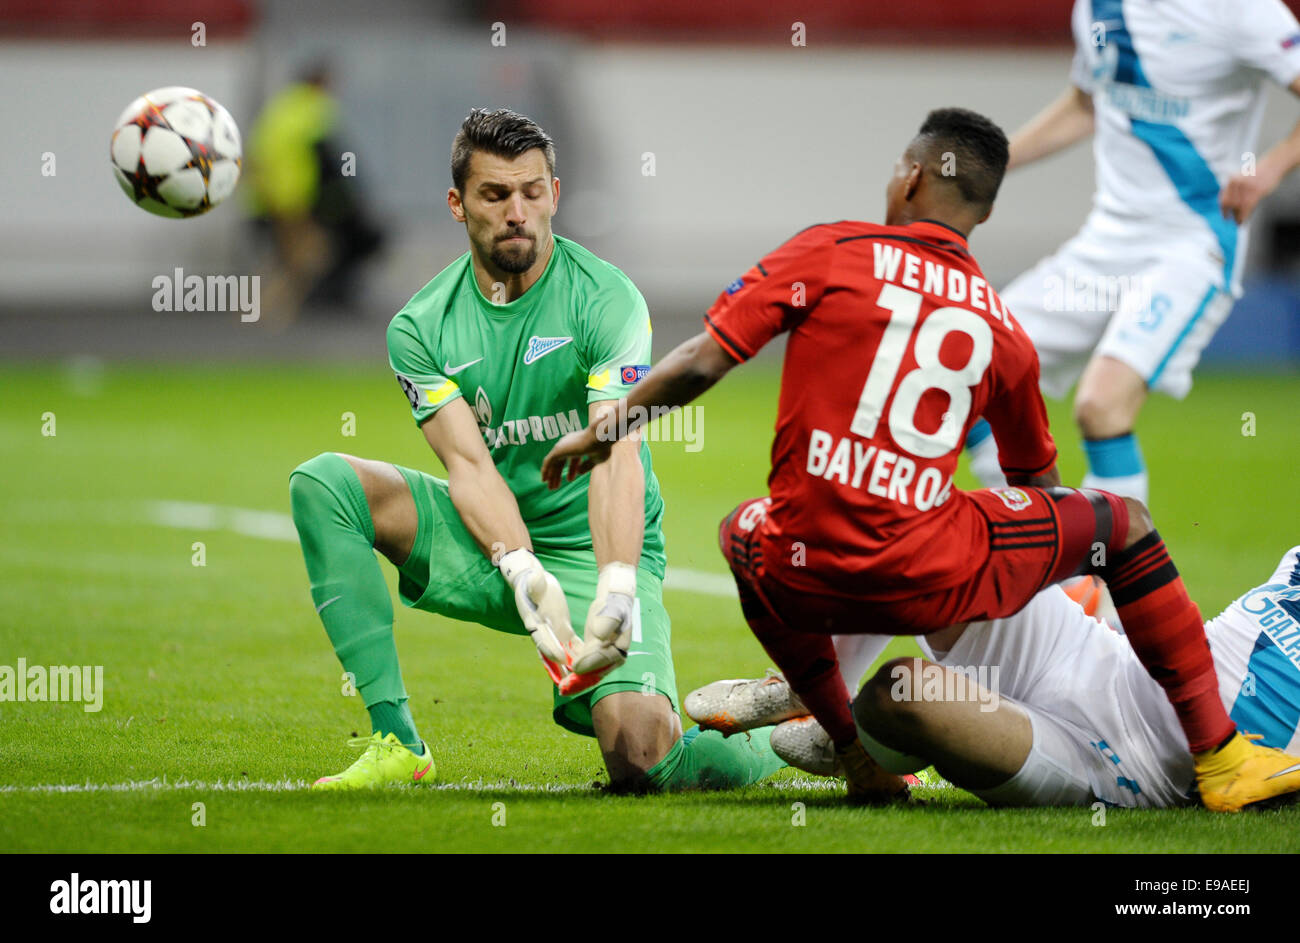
x,y
507,207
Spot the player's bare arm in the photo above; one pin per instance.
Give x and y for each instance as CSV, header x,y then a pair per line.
x,y
1064,122
481,497
1019,420
680,377
616,501
490,513
1049,479
616,512
1242,193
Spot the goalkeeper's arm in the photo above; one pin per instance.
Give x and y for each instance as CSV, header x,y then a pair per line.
x,y
616,501
616,514
688,370
488,509
481,496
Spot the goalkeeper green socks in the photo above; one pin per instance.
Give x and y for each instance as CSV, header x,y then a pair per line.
x,y
705,759
348,588
395,717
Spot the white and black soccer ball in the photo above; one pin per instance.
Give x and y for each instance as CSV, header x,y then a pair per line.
x,y
176,152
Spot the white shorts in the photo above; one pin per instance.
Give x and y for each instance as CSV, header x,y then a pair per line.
x,y
1054,772
1102,728
1151,299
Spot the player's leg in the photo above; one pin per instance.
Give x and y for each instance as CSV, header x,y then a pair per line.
x,y
736,705
1169,309
344,508
1039,717
1114,538
632,711
645,749
808,661
1106,407
1165,629
1017,710
1008,755
1162,623
974,738
635,732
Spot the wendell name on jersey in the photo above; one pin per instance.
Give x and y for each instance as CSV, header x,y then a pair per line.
x,y
895,264
880,471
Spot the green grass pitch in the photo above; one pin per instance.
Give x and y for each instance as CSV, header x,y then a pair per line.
x,y
220,687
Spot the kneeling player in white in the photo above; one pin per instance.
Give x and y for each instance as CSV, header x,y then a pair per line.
x,y
1051,707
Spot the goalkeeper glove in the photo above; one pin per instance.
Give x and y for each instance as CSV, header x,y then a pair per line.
x,y
543,609
608,631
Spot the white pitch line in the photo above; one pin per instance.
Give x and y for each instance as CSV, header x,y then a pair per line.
x,y
145,785
298,785
697,581
272,525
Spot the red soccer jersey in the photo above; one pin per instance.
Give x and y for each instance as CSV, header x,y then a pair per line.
x,y
897,346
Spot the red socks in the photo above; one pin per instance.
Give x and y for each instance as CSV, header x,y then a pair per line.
x,y
809,665
1166,631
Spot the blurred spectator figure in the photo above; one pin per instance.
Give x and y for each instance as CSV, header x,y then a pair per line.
x,y
304,194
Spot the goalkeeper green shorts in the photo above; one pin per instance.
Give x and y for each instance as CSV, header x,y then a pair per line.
x,y
448,574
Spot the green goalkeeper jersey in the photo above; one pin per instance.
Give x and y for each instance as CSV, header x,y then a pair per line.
x,y
529,369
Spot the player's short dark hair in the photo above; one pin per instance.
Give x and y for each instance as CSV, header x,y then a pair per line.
x,y
502,132
965,149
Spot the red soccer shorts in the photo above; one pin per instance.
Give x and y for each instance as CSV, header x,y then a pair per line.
x,y
1036,537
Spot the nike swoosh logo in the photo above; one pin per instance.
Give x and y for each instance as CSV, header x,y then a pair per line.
x,y
630,654
1282,772
420,775
451,371
326,603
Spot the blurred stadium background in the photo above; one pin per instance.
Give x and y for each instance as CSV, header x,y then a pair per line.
x,y
176,427
752,139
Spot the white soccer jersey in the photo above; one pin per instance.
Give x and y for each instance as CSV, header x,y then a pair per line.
x,y
1177,89
1099,717
1256,644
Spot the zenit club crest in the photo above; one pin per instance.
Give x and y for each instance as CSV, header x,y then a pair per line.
x,y
539,347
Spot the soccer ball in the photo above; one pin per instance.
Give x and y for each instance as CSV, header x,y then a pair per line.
x,y
176,152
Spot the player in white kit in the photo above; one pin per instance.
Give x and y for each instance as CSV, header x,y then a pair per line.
x,y
1082,720
1173,93
1052,707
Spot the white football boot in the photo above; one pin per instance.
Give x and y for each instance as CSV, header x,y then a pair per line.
x,y
805,745
739,705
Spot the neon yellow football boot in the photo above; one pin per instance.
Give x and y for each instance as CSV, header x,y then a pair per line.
x,y
1243,773
385,761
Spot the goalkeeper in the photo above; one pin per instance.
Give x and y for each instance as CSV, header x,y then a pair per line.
x,y
524,338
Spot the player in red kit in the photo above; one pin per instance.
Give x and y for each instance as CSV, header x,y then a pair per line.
x,y
897,346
